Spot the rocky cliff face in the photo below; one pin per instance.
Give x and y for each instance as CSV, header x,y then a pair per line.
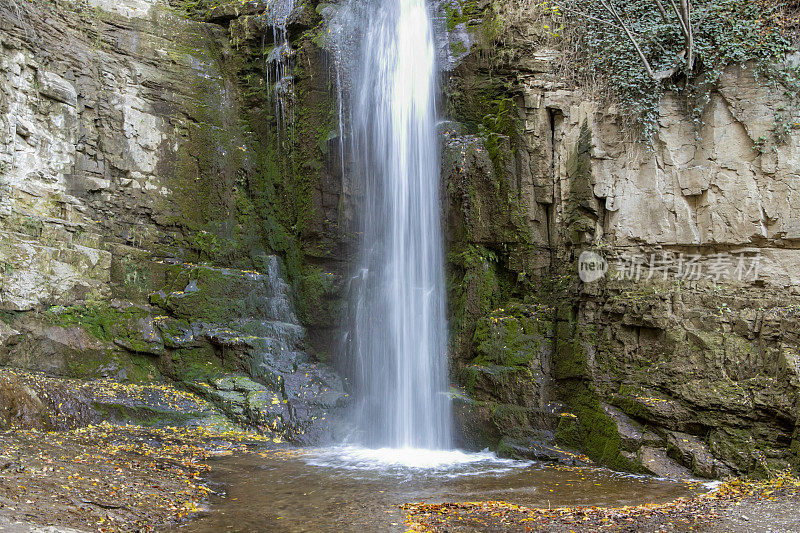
x,y
156,223
684,356
130,161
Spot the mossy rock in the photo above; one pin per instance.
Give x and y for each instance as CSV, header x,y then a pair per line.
x,y
319,298
115,364
132,328
142,415
589,429
511,420
98,319
749,450
505,384
569,360
195,364
220,296
140,335
134,274
175,333
511,336
267,411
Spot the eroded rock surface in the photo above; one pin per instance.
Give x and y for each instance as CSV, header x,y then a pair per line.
x,y
153,146
127,154
684,356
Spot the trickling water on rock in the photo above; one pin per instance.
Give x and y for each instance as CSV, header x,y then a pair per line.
x,y
279,61
249,317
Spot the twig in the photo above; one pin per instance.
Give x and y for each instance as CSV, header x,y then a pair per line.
x,y
587,15
687,10
610,8
663,11
684,13
684,29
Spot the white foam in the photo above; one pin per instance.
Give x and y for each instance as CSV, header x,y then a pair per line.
x,y
412,461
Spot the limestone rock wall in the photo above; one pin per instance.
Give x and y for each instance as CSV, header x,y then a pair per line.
x,y
135,143
93,102
699,340
150,146
683,359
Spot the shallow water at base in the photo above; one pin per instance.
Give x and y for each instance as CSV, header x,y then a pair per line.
x,y
407,463
351,489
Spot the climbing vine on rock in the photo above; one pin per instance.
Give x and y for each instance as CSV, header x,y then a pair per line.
x,y
641,48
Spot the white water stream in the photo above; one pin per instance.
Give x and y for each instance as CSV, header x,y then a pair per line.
x,y
399,336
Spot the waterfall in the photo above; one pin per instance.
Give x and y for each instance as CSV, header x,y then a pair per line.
x,y
399,332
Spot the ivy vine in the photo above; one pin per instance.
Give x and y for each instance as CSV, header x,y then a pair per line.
x,y
642,48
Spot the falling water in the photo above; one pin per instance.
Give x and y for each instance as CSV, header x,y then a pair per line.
x,y
399,335
279,61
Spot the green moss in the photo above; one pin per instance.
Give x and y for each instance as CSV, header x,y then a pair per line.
x,y
316,123
510,420
592,431
136,368
143,415
194,8
510,336
218,297
209,167
132,275
9,317
100,320
626,400
569,359
317,298
460,12
245,188
453,17
288,164
494,381
142,369
458,48
568,432
474,289
491,27
196,364
88,368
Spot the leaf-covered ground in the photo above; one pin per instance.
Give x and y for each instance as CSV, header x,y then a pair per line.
x,y
128,478
109,478
735,506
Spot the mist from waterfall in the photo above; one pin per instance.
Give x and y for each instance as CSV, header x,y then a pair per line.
x,y
398,335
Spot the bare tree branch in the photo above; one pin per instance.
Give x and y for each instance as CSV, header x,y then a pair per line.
x,y
587,15
684,14
684,29
610,8
687,13
682,11
662,10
